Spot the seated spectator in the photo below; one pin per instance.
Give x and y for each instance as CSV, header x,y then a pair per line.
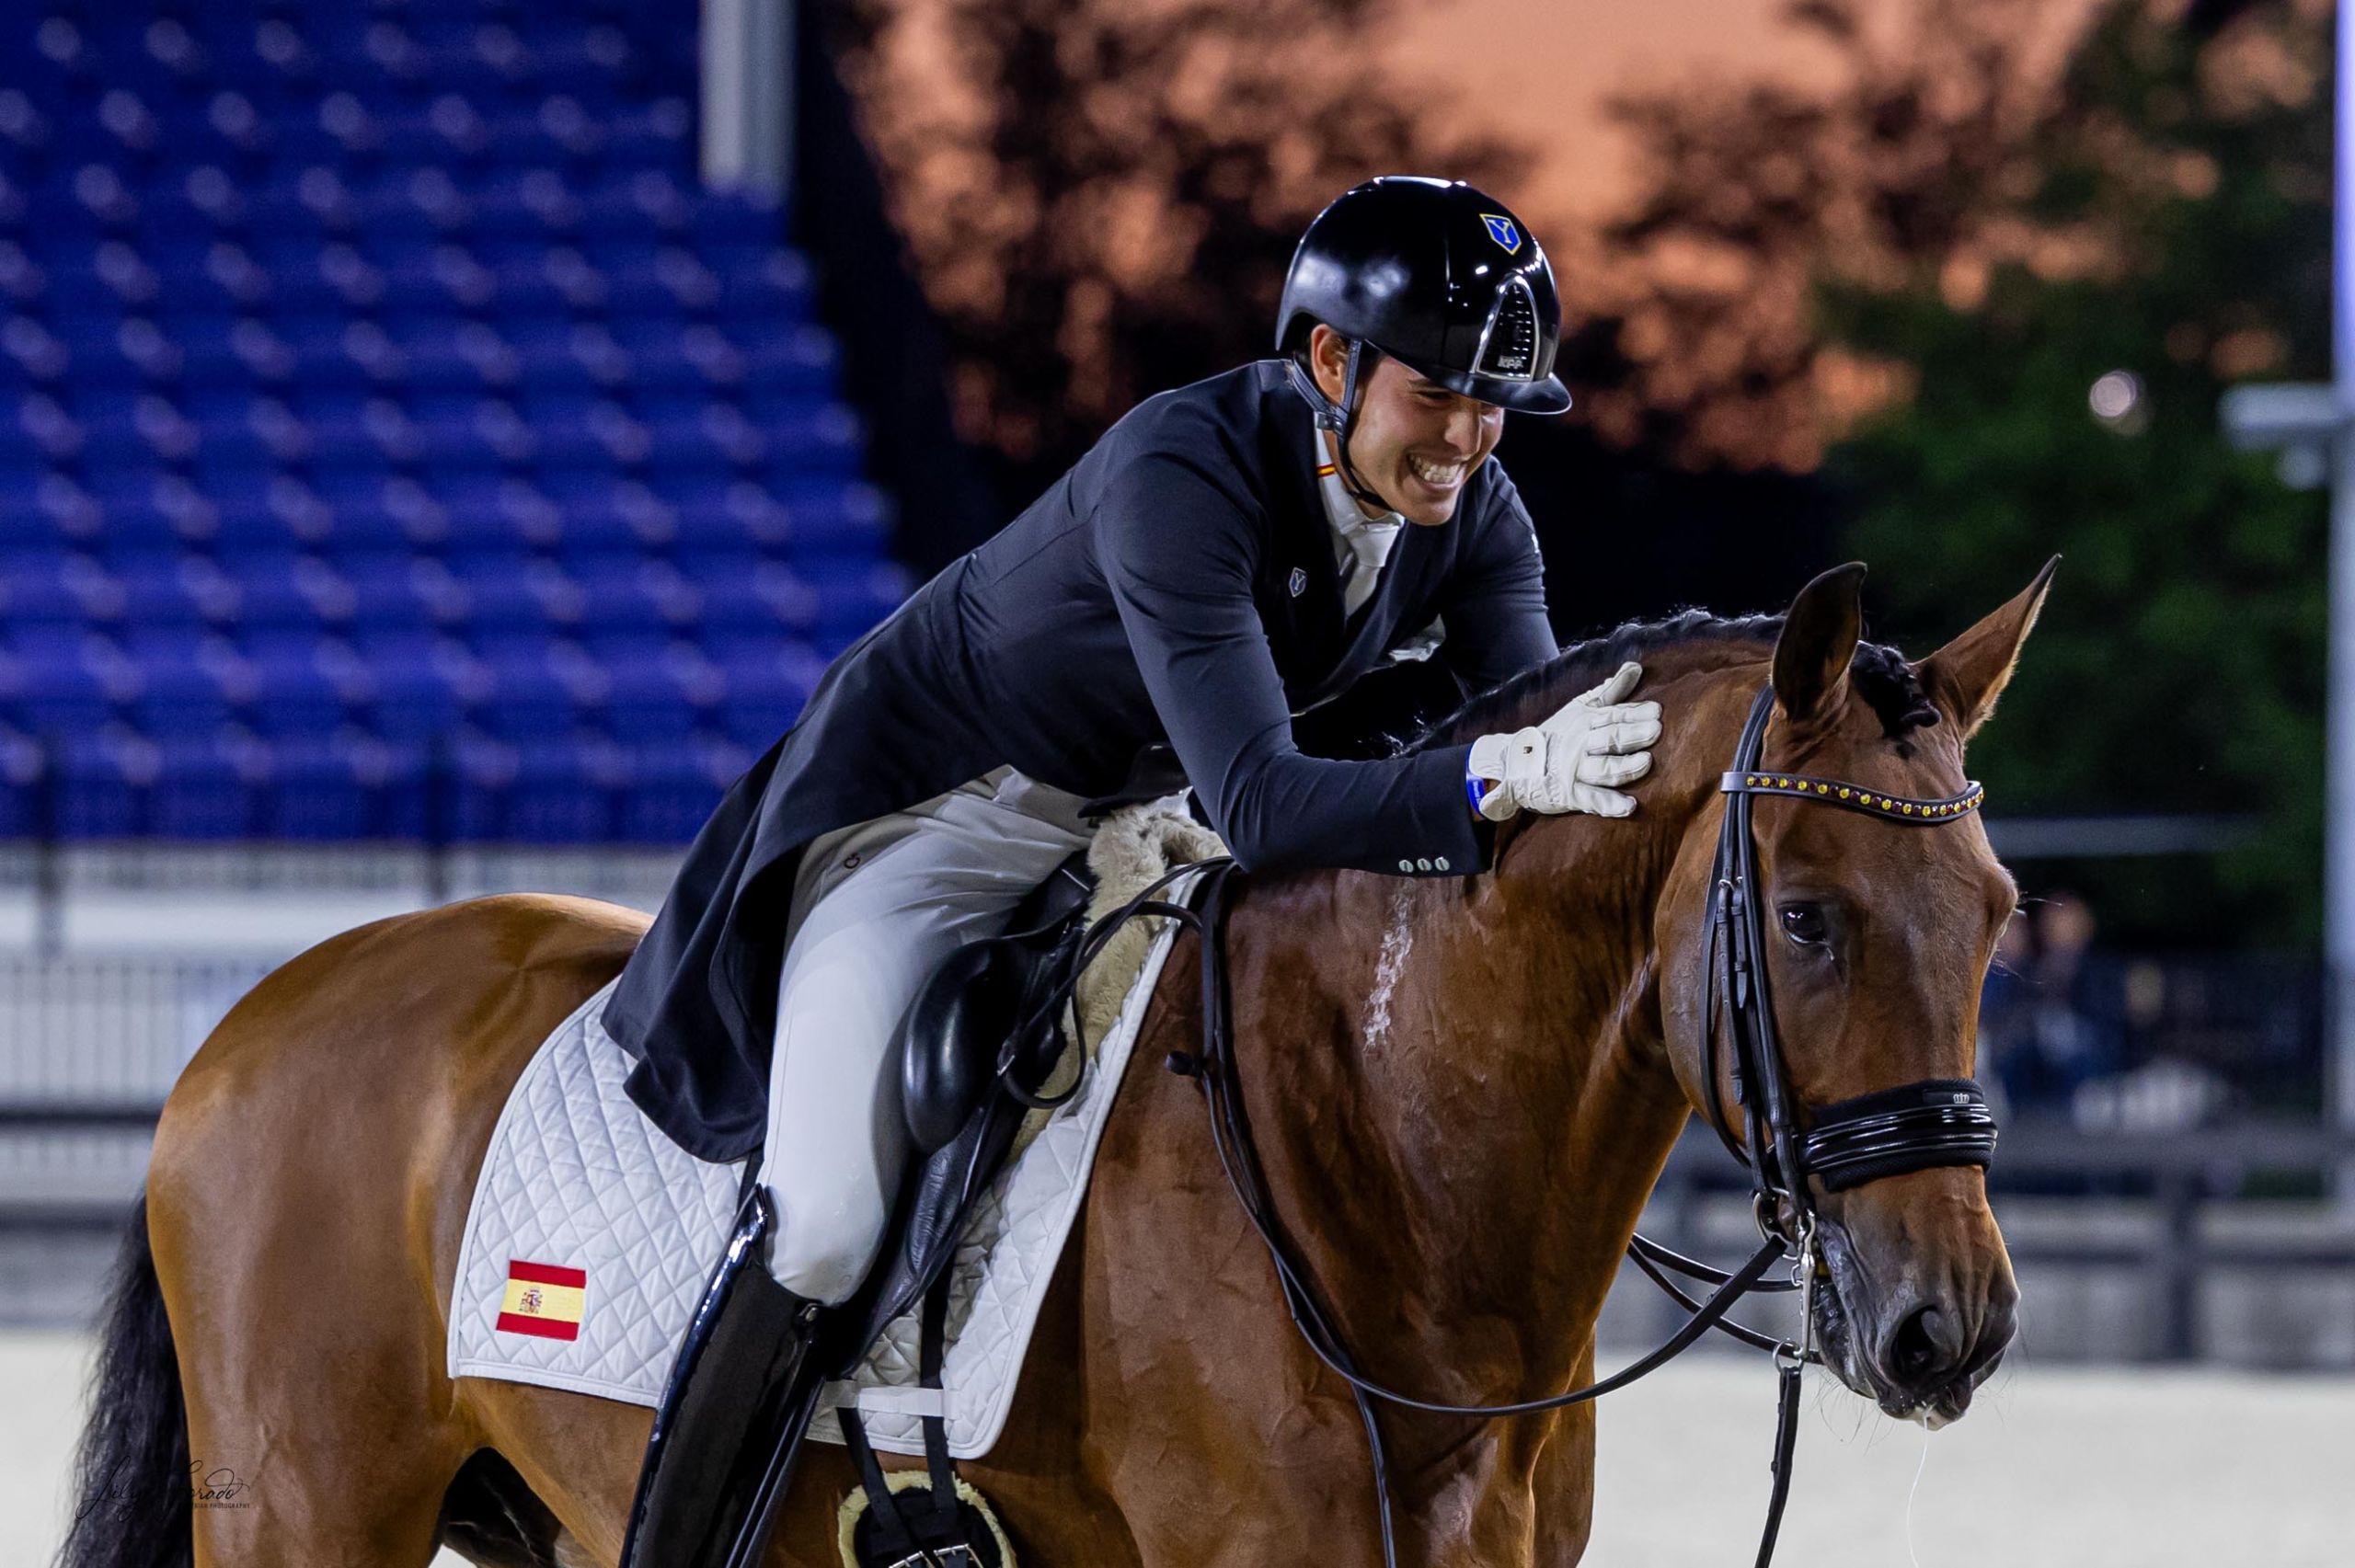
x,y
2050,1025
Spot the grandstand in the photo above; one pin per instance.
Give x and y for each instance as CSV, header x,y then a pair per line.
x,y
397,443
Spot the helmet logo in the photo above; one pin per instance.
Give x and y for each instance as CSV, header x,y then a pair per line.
x,y
1502,230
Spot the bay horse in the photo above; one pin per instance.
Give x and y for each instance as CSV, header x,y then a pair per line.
x,y
1464,1089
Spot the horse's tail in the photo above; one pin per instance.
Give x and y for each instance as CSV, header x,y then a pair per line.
x,y
131,1480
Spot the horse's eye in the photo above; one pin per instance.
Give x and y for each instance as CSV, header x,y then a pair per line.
x,y
1803,923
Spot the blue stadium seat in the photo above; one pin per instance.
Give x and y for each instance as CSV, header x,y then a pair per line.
x,y
289,591
424,700
766,690
854,593
23,284
403,592
303,690
657,136
139,509
318,793
514,597
23,785
348,517
565,793
493,513
46,642
176,590
743,594
473,776
208,787
625,593
533,696
347,788
61,693
671,696
53,584
103,783
604,514
526,200
182,695
673,788
539,791
192,210
337,341
42,359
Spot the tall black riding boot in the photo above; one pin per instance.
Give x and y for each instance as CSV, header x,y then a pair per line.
x,y
739,1395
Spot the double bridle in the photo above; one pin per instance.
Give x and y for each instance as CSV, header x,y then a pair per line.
x,y
1915,1127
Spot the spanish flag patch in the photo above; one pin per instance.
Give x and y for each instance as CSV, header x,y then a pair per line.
x,y
543,1300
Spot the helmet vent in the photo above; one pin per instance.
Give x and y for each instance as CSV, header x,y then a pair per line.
x,y
1509,343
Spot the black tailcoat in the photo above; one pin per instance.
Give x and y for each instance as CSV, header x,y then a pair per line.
x,y
1177,584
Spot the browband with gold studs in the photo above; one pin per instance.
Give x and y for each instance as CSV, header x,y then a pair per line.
x,y
1856,797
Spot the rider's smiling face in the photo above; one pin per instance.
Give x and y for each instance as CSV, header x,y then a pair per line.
x,y
1415,443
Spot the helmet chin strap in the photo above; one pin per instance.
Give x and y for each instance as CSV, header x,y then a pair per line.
x,y
1340,419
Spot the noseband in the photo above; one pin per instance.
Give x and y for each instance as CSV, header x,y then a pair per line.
x,y
1915,1127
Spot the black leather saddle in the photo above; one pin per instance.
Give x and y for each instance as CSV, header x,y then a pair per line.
x,y
961,1024
974,1049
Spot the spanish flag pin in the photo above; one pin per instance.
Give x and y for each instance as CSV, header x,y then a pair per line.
x,y
543,1300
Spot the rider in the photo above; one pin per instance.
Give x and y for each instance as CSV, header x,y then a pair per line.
x,y
1229,554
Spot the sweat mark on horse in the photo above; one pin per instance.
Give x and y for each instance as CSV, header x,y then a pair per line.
x,y
1397,941
285,1297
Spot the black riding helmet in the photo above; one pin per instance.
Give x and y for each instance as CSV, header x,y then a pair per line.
x,y
1438,275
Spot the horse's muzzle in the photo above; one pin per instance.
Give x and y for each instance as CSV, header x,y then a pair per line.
x,y
1918,1315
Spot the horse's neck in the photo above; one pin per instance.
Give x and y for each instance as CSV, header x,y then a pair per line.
x,y
1459,1098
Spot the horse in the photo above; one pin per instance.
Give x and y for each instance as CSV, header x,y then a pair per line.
x,y
1464,1089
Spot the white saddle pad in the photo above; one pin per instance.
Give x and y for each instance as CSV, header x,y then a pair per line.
x,y
592,1237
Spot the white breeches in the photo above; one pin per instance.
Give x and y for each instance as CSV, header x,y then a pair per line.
x,y
875,907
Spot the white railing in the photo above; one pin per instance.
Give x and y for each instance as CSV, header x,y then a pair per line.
x,y
117,962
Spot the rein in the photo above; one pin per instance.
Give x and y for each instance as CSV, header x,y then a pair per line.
x,y
1915,1127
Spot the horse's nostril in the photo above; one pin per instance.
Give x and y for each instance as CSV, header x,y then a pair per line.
x,y
1922,1347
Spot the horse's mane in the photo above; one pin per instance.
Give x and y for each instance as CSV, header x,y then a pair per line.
x,y
1878,673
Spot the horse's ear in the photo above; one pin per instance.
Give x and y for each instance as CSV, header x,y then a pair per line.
x,y
1965,677
1819,633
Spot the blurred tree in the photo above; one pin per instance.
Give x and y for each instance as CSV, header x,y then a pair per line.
x,y
1102,195
2066,370
1754,193
2006,294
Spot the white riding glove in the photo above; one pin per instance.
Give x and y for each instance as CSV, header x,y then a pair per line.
x,y
1569,762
